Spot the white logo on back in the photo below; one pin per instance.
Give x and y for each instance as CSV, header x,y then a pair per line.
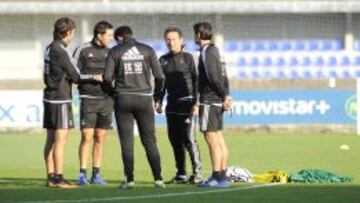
x,y
132,54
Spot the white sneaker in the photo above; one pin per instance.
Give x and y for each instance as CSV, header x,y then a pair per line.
x,y
159,184
127,185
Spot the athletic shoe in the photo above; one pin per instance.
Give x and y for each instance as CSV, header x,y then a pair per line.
x,y
195,179
211,182
65,185
224,183
98,180
127,185
159,184
83,179
50,182
178,179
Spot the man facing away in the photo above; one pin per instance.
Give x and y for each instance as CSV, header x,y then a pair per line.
x,y
130,66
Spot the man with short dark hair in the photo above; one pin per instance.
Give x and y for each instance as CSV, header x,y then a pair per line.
x,y
214,99
96,101
121,33
181,86
59,74
130,64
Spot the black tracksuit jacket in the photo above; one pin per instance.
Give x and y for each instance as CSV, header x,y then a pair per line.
x,y
130,64
91,58
213,81
181,79
60,72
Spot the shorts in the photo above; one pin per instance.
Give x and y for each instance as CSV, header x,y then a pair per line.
x,y
96,113
210,118
58,116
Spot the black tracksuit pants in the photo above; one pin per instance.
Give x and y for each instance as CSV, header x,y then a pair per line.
x,y
181,132
140,108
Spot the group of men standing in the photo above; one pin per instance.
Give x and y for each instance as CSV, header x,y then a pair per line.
x,y
119,79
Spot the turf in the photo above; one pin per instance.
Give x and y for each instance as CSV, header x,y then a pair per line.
x,y
22,169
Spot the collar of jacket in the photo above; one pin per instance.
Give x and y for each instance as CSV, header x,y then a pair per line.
x,y
96,43
61,42
130,41
207,45
175,54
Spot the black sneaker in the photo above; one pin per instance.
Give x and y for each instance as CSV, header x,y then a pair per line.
x,y
195,179
179,179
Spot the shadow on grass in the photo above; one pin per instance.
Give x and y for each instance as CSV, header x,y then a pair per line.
x,y
40,182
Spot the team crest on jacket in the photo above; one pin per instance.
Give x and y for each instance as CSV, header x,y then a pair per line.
x,y
90,55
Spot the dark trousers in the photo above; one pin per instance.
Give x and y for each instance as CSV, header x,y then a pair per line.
x,y
139,108
181,131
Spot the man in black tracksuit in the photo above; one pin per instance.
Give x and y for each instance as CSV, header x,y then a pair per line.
x,y
59,74
214,99
181,86
130,64
96,101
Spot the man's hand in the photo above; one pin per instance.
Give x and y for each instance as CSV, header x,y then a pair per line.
x,y
227,104
195,110
158,107
98,77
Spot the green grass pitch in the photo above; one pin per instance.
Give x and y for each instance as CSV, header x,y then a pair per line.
x,y
22,170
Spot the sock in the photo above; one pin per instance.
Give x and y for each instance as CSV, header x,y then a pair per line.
x,y
83,170
95,171
58,178
51,176
223,175
217,175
